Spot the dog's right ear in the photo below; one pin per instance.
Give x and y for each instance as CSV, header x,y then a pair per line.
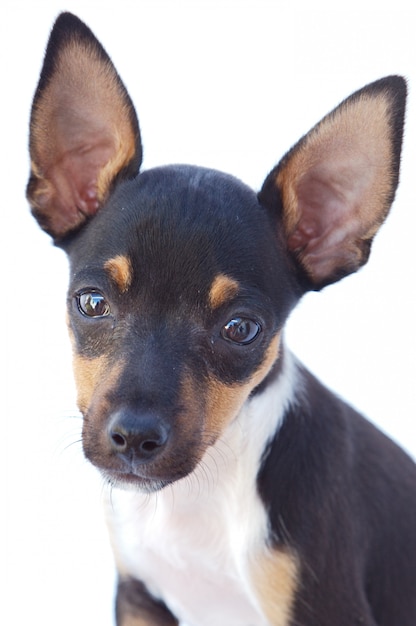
x,y
84,132
334,188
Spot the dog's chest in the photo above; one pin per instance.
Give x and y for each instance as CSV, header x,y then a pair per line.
x,y
193,557
194,544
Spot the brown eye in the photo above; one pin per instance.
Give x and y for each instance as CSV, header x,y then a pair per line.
x,y
241,330
93,304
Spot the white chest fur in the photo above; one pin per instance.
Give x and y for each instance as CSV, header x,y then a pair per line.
x,y
192,544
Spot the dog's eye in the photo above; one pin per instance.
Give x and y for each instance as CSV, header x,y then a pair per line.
x,y
241,330
93,304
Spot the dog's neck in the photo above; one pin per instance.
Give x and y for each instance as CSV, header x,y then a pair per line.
x,y
238,453
226,476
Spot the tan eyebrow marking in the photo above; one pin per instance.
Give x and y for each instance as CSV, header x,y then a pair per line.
x,y
223,288
120,271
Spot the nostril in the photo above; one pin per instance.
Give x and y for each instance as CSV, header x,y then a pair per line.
x,y
150,446
119,441
139,434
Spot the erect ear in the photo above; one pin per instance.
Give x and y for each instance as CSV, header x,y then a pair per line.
x,y
335,187
83,131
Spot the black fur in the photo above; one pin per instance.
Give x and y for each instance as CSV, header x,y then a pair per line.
x,y
339,474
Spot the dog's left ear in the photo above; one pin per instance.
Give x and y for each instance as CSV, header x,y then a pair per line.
x,y
84,132
333,190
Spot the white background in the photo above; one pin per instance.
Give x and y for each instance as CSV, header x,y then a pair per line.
x,y
231,85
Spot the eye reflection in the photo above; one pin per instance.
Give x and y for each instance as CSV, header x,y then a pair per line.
x,y
241,330
93,304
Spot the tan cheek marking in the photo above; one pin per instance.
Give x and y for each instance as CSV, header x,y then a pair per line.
x,y
275,577
88,375
225,401
272,354
222,290
94,379
130,620
121,272
223,404
91,374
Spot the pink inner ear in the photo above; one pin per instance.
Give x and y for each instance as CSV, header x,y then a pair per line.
x,y
320,212
84,130
329,225
338,182
72,187
81,170
90,198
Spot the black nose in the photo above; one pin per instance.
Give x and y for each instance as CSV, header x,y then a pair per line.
x,y
137,436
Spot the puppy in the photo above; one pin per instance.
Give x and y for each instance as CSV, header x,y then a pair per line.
x,y
243,492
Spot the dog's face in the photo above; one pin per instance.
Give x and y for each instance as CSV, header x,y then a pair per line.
x,y
178,294
182,278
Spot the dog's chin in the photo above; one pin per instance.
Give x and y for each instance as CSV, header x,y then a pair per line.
x,y
143,477
132,482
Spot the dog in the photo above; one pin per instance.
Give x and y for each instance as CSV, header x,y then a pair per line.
x,y
242,492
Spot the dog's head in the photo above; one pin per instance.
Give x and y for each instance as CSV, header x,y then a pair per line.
x,y
182,277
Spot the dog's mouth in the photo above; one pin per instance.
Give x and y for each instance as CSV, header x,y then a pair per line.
x,y
131,481
149,463
142,478
147,458
145,477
